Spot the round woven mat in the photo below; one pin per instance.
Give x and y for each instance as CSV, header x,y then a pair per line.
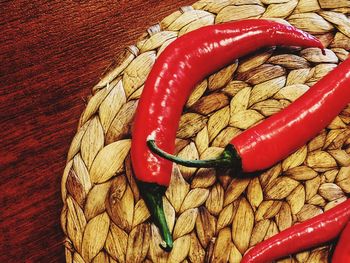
x,y
213,216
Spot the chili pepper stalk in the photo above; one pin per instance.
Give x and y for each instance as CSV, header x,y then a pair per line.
x,y
152,195
228,158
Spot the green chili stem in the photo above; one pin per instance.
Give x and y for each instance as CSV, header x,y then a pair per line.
x,y
229,158
152,194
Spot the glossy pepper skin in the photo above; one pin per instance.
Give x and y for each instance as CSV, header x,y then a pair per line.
x,y
183,64
281,134
270,141
342,250
299,237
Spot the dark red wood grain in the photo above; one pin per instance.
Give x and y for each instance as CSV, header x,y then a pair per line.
x,y
52,53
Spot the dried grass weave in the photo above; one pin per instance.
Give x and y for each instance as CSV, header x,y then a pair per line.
x,y
213,216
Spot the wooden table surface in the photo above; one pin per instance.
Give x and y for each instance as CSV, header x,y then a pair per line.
x,y
52,53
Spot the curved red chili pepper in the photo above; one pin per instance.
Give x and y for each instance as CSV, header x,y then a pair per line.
x,y
283,133
342,250
177,70
308,234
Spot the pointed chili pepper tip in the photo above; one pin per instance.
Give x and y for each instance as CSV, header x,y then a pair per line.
x,y
152,194
229,158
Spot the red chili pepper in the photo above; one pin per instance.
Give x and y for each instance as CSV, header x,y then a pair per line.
x,y
342,250
270,141
177,70
310,233
286,131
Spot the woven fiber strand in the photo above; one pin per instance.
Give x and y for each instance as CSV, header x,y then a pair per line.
x,y
213,216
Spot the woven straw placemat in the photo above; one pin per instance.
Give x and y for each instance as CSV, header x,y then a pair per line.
x,y
213,216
